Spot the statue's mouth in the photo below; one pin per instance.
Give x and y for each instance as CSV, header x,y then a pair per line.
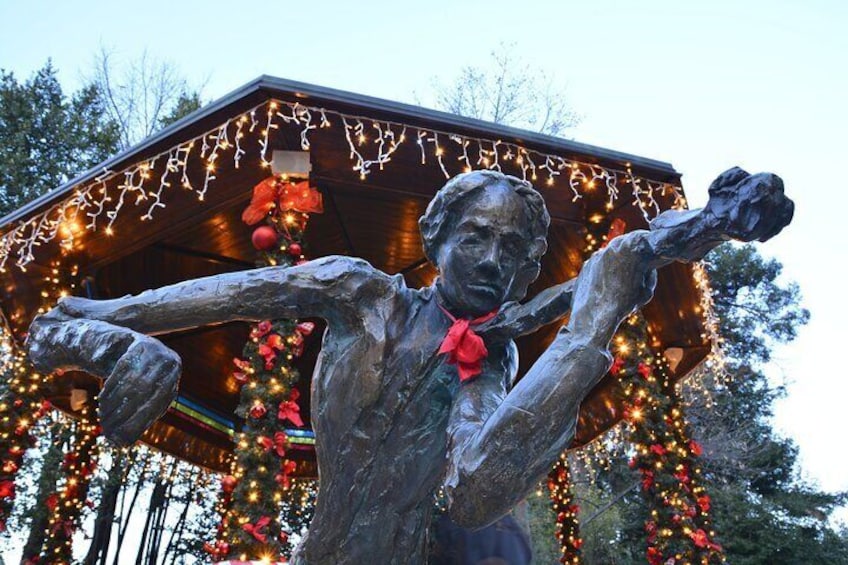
x,y
486,288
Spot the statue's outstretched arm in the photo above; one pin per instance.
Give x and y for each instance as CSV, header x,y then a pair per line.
x,y
107,337
512,450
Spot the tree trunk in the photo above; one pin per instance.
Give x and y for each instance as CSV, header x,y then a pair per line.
x,y
104,521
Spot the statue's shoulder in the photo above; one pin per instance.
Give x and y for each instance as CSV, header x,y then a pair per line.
x,y
355,278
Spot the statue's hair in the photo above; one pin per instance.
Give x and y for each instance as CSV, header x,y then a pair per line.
x,y
445,210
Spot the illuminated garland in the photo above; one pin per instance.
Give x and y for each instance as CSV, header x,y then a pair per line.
x,y
251,526
22,401
562,501
66,504
679,526
372,144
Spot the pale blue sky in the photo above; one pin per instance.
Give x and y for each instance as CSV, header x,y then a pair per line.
x,y
704,85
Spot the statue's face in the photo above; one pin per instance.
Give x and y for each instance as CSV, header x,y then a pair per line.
x,y
481,257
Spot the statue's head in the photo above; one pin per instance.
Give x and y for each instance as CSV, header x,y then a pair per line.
x,y
486,233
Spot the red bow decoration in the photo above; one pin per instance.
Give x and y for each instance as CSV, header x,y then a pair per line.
x,y
219,549
465,348
704,503
273,192
67,526
257,530
281,441
289,410
658,449
306,328
700,538
282,477
9,467
644,370
261,329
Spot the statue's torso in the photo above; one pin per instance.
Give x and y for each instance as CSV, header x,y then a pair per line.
x,y
381,402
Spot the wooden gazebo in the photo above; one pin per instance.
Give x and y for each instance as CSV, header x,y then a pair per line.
x,y
169,210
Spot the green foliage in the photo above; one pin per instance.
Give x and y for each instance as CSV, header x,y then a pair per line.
x,y
762,511
46,138
187,103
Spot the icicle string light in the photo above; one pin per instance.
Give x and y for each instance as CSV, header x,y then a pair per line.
x,y
94,199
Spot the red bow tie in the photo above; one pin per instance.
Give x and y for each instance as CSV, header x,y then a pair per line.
x,y
465,348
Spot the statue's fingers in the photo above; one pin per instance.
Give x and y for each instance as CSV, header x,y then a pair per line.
x,y
134,425
729,177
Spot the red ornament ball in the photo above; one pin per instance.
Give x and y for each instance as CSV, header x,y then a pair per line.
x,y
264,238
295,250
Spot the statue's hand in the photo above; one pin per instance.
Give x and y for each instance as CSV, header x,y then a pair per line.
x,y
138,391
141,373
748,207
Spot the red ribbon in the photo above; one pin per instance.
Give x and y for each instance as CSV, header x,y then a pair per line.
x,y
465,348
258,530
289,410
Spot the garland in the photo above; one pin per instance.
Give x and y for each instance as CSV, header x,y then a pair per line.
x,y
562,502
260,478
679,526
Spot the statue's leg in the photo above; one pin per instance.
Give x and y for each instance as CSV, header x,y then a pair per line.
x,y
141,374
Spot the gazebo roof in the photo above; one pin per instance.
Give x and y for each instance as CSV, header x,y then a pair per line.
x,y
169,209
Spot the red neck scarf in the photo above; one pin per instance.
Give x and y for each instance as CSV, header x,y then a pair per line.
x,y
465,348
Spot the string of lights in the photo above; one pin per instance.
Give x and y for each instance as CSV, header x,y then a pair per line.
x,y
372,143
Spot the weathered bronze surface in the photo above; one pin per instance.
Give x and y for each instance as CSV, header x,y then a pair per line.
x,y
391,418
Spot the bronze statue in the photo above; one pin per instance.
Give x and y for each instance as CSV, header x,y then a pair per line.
x,y
392,417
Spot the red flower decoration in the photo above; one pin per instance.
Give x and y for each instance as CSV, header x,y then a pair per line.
x,y
644,370
704,503
682,475
241,364
257,530
257,410
290,411
273,192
